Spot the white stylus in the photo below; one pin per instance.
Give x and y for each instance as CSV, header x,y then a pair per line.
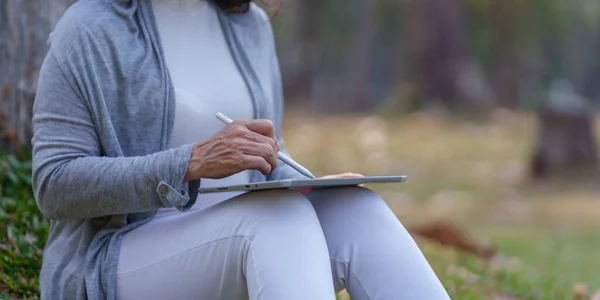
x,y
223,118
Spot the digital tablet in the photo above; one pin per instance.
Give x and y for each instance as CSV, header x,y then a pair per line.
x,y
304,183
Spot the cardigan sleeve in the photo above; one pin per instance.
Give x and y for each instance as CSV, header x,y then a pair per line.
x,y
71,178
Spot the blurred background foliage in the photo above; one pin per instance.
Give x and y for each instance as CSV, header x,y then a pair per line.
x,y
489,107
354,55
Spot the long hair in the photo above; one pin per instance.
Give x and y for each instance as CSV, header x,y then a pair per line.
x,y
242,6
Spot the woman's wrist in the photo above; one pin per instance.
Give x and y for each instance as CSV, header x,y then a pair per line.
x,y
195,169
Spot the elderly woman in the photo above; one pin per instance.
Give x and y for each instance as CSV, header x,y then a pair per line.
x,y
124,135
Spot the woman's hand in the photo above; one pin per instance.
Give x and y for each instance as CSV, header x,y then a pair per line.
x,y
344,175
239,146
305,191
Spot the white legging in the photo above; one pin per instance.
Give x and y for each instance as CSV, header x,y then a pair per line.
x,y
274,245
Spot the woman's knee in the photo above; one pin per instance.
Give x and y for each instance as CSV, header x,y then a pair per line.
x,y
371,218
279,213
354,202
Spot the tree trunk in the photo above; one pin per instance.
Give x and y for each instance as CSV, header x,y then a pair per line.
x,y
591,88
508,20
361,63
24,28
566,145
301,82
448,74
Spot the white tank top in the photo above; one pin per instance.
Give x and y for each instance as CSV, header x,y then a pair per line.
x,y
205,77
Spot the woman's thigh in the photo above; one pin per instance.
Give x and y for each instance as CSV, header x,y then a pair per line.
x,y
259,245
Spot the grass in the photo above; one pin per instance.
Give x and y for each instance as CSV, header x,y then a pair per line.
x,y
474,174
23,230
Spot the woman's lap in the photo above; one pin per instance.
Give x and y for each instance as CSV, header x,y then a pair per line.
x,y
227,251
206,254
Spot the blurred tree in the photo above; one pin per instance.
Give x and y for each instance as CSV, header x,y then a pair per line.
x,y
330,56
447,71
508,22
591,87
361,57
300,85
463,54
566,145
24,29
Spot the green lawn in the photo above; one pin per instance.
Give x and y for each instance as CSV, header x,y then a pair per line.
x,y
474,174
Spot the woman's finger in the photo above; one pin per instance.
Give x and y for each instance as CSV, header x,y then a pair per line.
x,y
344,175
267,152
259,149
251,162
262,127
258,138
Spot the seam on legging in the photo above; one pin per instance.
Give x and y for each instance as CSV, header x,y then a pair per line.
x,y
179,254
352,274
255,268
360,284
